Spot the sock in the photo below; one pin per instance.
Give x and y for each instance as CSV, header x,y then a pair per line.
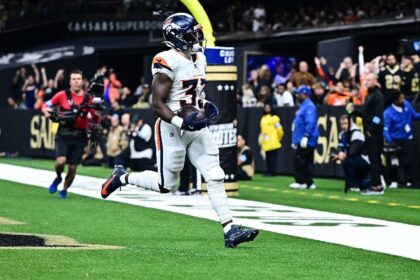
x,y
219,202
147,180
227,227
123,179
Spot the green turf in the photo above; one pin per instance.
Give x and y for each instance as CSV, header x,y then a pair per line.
x,y
162,245
328,197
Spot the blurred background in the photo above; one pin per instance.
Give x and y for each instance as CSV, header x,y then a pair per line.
x,y
332,43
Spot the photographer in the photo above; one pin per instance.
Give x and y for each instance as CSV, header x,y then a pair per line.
x,y
114,140
71,136
136,138
140,146
350,152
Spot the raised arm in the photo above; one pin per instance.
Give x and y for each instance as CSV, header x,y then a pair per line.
x,y
361,60
44,77
36,72
57,76
340,69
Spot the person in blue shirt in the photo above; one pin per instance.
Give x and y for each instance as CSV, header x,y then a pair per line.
x,y
304,139
398,133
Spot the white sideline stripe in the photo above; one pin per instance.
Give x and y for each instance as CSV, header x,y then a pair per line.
x,y
385,237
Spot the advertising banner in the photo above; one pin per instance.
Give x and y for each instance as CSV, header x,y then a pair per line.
x,y
221,77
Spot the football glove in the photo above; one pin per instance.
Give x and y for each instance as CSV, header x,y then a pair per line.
x,y
210,110
191,124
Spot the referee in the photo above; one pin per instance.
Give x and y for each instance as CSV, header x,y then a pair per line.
x,y
71,136
372,115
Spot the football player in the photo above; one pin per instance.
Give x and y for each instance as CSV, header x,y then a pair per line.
x,y
179,80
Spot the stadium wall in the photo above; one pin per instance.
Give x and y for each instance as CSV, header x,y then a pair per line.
x,y
29,134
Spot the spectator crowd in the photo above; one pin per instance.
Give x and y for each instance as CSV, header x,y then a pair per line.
x,y
245,16
329,86
32,86
122,139
237,16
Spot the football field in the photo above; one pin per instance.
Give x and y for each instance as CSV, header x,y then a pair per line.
x,y
155,244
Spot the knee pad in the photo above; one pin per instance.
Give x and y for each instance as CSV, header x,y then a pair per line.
x,y
214,174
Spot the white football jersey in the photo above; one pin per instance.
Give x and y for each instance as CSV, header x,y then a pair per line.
x,y
188,78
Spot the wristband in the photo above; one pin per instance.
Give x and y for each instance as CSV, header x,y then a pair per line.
x,y
177,121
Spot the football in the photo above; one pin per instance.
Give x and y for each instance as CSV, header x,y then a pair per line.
x,y
189,109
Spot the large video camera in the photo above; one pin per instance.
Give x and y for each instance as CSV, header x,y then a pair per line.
x,y
96,91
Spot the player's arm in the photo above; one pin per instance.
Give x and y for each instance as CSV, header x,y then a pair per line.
x,y
161,87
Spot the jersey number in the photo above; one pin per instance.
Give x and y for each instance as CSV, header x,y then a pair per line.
x,y
390,82
191,85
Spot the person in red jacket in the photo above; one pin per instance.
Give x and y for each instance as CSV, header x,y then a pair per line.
x,y
71,136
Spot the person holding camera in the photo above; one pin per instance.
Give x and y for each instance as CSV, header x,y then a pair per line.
x,y
140,145
304,139
71,139
114,140
398,133
351,154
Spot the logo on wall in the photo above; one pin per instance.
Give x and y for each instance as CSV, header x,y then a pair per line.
x,y
109,26
16,59
228,56
220,55
224,134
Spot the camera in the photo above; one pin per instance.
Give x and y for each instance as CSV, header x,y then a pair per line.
x,y
96,90
333,155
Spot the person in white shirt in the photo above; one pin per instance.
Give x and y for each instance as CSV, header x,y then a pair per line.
x,y
283,97
258,24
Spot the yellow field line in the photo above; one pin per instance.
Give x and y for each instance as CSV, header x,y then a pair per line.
x,y
373,201
393,204
335,197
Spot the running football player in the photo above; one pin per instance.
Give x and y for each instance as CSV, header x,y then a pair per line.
x,y
179,80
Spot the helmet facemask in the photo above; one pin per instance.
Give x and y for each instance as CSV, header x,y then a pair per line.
x,y
195,41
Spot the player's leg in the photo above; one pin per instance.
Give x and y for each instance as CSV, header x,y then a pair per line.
x,y
204,155
170,160
76,146
60,163
170,155
61,149
71,174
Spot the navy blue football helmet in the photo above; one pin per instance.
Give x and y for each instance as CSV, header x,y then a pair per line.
x,y
183,33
